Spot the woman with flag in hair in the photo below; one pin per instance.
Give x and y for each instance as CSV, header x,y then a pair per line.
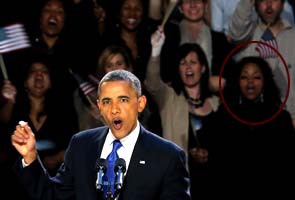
x,y
112,58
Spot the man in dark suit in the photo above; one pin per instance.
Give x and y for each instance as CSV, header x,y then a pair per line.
x,y
155,167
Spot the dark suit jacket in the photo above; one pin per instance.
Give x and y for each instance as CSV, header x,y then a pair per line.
x,y
163,176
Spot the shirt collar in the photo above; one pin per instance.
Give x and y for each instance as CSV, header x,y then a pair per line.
x,y
127,141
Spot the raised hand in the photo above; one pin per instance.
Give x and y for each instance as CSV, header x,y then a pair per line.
x,y
157,41
8,91
200,155
23,139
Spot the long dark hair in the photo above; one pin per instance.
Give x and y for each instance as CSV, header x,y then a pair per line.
x,y
271,93
182,52
49,96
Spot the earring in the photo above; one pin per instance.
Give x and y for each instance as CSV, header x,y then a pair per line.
x,y
240,99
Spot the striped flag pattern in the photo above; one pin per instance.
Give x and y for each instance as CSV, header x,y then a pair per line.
x,y
13,37
85,86
265,51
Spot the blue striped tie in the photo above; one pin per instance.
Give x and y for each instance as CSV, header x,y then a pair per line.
x,y
110,175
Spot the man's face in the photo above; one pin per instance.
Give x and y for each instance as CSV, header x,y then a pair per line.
x,y
119,106
269,10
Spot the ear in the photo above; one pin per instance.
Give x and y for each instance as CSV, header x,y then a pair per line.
x,y
141,103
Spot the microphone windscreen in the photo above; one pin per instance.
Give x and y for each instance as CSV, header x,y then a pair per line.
x,y
101,163
120,164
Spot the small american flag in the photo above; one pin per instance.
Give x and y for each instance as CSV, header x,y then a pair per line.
x,y
85,86
13,37
265,51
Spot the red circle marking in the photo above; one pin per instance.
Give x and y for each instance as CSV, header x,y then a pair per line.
x,y
220,88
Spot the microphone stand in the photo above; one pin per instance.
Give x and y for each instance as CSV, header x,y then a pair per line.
x,y
116,193
109,195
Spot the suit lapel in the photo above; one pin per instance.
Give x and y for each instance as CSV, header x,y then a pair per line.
x,y
136,167
99,141
94,153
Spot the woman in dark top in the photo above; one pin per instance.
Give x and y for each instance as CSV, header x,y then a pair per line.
x,y
255,139
131,27
39,105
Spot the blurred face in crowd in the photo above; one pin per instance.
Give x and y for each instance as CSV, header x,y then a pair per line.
x,y
193,10
52,18
269,10
191,70
251,81
38,80
116,61
131,14
119,105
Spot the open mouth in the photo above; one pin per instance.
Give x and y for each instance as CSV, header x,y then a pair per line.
x,y
52,22
250,89
117,123
189,74
39,83
269,11
131,21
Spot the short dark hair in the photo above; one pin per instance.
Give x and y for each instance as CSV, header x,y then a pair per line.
x,y
122,75
258,1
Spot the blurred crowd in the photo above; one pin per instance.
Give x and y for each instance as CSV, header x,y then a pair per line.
x,y
219,77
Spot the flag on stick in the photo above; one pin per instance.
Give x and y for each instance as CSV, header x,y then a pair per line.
x,y
3,68
265,51
13,37
85,86
168,11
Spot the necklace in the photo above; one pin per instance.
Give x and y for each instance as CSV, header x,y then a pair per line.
x,y
196,103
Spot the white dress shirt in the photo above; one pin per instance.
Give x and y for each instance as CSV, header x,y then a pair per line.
x,y
127,142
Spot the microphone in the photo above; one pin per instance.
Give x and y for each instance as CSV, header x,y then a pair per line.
x,y
120,169
101,167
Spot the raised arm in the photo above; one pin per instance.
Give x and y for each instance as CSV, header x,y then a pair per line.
x,y
217,16
23,139
153,81
243,21
8,95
